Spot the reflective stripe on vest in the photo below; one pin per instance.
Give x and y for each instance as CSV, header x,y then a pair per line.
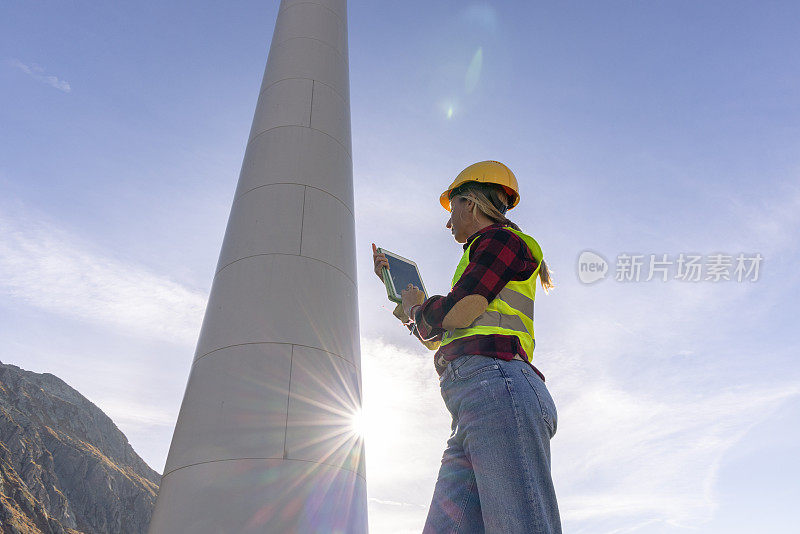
x,y
511,312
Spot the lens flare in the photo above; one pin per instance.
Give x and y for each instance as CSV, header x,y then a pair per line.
x,y
474,71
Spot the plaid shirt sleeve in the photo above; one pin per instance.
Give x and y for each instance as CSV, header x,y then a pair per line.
x,y
497,257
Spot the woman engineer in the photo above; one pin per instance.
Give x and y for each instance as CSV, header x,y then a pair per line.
x,y
495,472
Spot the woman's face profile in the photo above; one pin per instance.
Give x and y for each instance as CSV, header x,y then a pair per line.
x,y
457,219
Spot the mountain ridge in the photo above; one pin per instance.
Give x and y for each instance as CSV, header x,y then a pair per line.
x,y
65,467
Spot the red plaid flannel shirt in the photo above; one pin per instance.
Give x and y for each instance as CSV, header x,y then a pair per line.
x,y
497,257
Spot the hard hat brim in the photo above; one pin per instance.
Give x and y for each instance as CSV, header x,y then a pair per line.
x,y
444,198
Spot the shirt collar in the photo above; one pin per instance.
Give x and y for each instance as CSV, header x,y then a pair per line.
x,y
471,238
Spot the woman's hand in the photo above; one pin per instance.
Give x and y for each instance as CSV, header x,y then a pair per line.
x,y
412,295
380,262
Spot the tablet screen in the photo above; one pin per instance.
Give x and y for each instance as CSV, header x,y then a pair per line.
x,y
402,274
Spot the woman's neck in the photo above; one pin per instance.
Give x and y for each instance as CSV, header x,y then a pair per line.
x,y
480,225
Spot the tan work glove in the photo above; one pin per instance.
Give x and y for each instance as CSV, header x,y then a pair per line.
x,y
399,313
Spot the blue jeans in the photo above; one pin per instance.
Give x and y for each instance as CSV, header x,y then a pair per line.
x,y
495,473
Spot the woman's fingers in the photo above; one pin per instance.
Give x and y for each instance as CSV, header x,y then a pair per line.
x,y
379,261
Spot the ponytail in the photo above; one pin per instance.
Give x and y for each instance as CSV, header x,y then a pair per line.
x,y
545,278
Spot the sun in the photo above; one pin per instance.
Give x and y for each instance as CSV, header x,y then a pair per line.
x,y
358,423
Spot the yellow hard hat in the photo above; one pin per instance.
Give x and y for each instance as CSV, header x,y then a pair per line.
x,y
487,172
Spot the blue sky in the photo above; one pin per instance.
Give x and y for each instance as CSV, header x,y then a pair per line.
x,y
648,127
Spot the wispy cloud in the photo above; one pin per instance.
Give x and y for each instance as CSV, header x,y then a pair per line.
x,y
637,457
771,221
48,268
132,414
38,73
392,503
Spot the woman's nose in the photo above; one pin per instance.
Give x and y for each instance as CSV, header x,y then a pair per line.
x,y
449,223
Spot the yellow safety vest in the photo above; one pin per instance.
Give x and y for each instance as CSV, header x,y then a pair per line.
x,y
511,312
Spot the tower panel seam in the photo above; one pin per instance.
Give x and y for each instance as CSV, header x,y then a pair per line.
x,y
259,134
209,353
306,185
329,86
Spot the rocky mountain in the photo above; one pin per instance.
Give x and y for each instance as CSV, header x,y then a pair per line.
x,y
64,466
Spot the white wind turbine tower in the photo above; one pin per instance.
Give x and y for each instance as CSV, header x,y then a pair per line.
x,y
264,441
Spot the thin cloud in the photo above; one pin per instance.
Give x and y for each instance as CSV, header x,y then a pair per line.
x,y
54,271
773,221
652,458
136,415
393,503
38,73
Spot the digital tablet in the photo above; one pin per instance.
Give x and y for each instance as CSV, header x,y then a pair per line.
x,y
400,273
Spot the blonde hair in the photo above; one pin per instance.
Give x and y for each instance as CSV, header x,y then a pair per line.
x,y
493,201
